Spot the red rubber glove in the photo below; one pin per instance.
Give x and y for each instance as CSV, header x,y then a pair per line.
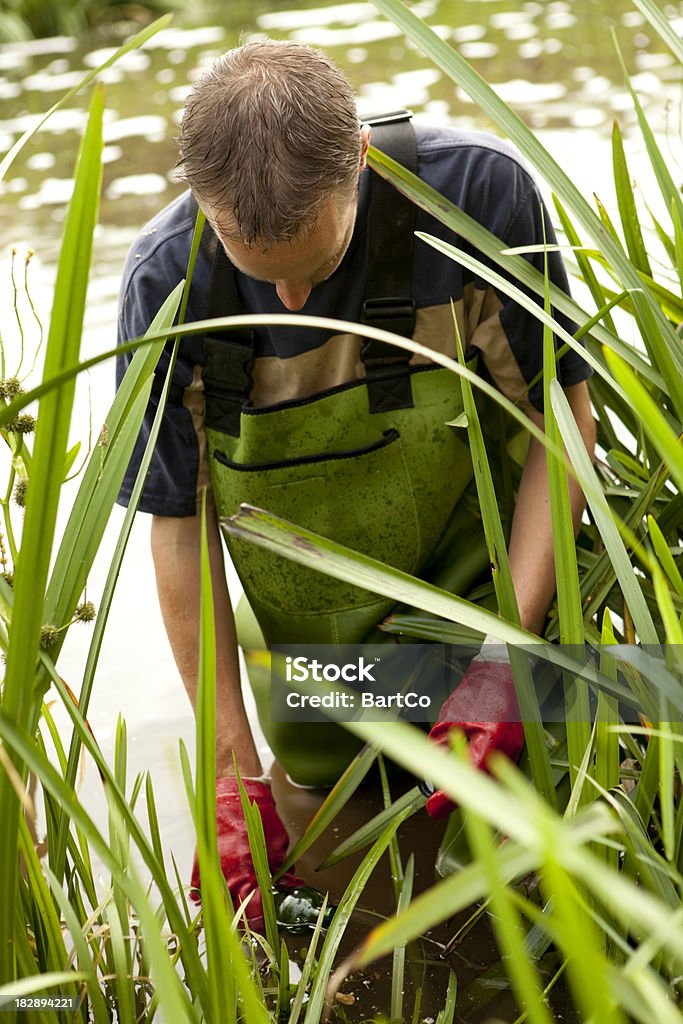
x,y
233,845
484,707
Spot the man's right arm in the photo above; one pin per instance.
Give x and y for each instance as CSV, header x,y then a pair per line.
x,y
176,554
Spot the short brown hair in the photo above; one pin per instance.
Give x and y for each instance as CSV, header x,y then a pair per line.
x,y
268,132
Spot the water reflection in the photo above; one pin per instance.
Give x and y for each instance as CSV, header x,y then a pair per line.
x,y
554,62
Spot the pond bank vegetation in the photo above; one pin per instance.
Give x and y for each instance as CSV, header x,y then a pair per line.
x,y
594,816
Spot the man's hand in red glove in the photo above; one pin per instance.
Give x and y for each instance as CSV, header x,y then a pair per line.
x,y
233,845
484,707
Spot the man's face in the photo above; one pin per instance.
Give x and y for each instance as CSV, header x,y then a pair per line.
x,y
295,267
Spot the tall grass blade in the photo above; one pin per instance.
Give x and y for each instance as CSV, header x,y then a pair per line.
x,y
412,801
630,220
174,999
307,966
670,191
216,918
259,856
86,964
569,607
505,591
606,735
515,265
656,426
399,958
341,919
603,517
578,939
660,22
338,797
447,1015
515,293
51,438
457,68
123,979
506,923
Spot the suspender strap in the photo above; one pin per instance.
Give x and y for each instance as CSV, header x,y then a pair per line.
x,y
229,354
388,293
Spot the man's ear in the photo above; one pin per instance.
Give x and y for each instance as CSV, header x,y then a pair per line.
x,y
364,143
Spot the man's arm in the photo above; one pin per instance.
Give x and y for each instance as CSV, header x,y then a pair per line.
x,y
532,557
176,554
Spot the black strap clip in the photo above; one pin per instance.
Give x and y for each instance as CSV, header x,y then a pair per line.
x,y
387,370
227,381
390,314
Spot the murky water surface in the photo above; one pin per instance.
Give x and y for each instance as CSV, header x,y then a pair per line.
x,y
554,62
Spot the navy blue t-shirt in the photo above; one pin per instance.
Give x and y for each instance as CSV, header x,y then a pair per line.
x,y
475,171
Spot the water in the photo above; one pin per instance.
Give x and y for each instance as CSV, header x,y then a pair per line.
x,y
554,61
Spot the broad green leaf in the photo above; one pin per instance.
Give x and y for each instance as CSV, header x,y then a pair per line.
x,y
284,538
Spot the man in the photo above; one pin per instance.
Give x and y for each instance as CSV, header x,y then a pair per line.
x,y
273,152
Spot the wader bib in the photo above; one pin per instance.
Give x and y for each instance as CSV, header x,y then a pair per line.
x,y
371,464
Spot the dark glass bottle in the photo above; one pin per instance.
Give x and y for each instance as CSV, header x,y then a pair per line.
x,y
297,910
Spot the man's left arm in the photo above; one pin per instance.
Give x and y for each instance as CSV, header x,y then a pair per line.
x,y
531,548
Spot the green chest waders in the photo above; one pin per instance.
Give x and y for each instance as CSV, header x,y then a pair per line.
x,y
371,464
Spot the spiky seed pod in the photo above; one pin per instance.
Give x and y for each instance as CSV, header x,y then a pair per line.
x,y
10,387
49,635
19,495
85,612
24,424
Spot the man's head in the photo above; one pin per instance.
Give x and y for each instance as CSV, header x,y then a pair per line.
x,y
269,138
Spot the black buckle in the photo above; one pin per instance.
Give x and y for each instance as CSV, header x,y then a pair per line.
x,y
391,314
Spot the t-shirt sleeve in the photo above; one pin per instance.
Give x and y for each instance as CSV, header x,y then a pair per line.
x,y
508,336
171,485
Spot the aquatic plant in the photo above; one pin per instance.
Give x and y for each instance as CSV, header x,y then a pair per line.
x,y
613,784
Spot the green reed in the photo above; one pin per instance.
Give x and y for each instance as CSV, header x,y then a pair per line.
x,y
600,823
